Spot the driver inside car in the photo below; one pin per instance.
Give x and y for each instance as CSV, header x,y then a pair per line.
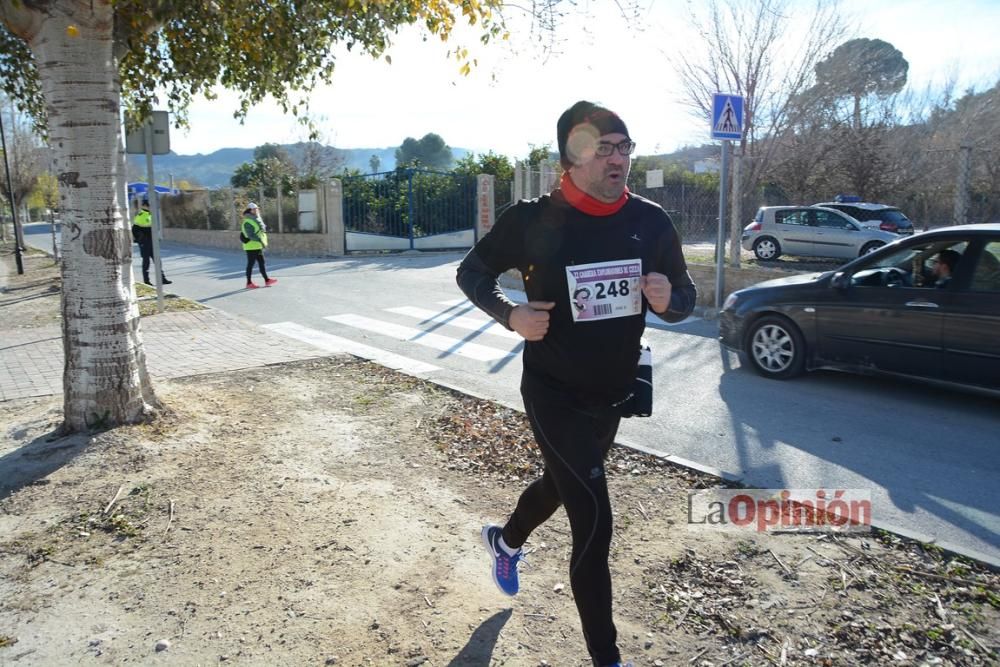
x,y
944,266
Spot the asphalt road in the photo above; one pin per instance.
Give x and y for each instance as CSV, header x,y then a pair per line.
x,y
929,457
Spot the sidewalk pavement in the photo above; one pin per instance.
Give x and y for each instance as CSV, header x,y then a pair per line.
x,y
177,344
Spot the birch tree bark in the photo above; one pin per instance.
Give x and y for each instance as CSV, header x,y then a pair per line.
x,y
105,381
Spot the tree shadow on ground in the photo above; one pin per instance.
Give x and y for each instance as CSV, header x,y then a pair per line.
x,y
479,649
36,460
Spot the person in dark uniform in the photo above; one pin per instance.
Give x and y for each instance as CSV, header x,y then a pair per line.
x,y
142,233
594,258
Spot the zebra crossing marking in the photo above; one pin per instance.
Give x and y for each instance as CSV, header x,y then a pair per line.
x,y
336,344
435,341
483,324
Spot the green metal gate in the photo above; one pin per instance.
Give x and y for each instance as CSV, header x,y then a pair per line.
x,y
409,209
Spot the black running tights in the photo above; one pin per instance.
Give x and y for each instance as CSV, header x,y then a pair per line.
x,y
574,445
255,256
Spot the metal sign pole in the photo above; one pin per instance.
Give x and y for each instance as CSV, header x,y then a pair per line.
x,y
154,209
720,242
727,125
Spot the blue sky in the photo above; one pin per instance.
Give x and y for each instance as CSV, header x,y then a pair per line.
x,y
512,100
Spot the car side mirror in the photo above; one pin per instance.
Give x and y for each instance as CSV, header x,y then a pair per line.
x,y
840,280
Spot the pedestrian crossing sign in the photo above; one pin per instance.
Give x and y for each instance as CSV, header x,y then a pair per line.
x,y
727,116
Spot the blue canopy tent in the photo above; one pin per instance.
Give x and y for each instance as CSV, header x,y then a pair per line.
x,y
138,189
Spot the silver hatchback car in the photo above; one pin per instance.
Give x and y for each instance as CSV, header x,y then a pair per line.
x,y
810,231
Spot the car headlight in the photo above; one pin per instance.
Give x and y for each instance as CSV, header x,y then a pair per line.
x,y
730,301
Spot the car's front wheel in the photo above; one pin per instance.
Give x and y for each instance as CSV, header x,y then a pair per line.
x,y
766,248
776,348
870,247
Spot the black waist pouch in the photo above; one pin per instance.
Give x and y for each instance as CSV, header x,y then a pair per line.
x,y
639,403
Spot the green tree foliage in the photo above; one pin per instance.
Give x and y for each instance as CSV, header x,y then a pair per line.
x,y
45,193
281,50
430,152
374,163
75,64
858,68
539,154
271,165
498,166
486,163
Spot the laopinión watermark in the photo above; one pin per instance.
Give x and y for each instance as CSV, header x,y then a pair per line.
x,y
781,510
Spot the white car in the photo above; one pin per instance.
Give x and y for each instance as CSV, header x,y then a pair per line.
x,y
810,231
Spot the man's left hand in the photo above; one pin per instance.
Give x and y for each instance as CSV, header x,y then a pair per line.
x,y
656,289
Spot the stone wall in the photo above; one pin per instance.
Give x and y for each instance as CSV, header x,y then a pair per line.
x,y
298,244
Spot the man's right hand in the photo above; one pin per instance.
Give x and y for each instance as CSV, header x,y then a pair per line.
x,y
531,320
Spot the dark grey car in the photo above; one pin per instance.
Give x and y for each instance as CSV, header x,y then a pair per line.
x,y
892,312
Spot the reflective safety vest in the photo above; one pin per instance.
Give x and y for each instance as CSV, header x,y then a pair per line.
x,y
254,231
143,219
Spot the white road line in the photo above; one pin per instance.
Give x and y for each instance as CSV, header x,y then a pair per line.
x,y
336,344
453,302
446,344
471,322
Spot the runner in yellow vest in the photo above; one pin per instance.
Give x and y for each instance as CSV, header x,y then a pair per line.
x,y
255,233
142,233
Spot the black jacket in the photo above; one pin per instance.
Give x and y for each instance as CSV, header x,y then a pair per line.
x,y
591,361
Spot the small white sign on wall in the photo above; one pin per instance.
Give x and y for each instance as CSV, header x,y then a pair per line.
x,y
654,178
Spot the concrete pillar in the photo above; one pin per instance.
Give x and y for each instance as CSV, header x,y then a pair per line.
x,y
281,218
485,204
518,181
546,178
333,207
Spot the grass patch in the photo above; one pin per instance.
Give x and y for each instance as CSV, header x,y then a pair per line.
x,y
171,302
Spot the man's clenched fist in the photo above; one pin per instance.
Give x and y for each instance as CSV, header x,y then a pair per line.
x,y
531,320
656,289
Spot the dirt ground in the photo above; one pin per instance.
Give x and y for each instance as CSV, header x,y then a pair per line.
x,y
328,512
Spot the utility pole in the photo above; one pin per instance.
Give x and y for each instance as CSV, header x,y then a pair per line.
x,y
962,186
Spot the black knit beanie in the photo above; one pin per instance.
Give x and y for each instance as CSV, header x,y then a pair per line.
x,y
604,121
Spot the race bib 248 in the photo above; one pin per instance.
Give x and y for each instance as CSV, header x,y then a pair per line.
x,y
604,290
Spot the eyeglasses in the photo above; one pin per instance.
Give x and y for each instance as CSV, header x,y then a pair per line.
x,y
605,149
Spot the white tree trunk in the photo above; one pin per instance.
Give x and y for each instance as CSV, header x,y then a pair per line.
x,y
105,382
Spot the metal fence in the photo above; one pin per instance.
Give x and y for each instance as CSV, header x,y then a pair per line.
x,y
693,208
409,203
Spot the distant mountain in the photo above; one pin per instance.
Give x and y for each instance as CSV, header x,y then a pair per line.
x,y
215,169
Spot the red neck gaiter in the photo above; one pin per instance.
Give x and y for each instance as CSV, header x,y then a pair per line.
x,y
581,201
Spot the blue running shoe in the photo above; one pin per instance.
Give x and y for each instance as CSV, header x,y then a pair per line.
x,y
504,566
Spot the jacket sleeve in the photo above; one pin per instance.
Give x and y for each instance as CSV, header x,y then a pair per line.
x,y
478,274
482,286
683,294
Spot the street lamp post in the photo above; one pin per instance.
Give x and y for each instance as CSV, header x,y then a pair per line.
x,y
13,204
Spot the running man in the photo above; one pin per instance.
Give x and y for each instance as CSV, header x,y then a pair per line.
x,y
594,258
